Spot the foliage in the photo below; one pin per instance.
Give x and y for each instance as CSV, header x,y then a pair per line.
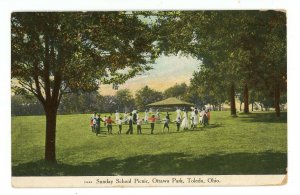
x,y
84,102
146,96
205,88
236,48
92,46
125,100
21,106
178,91
53,53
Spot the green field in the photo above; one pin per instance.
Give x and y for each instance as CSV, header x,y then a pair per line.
x,y
249,144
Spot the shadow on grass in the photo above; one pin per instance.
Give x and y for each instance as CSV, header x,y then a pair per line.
x,y
264,117
164,164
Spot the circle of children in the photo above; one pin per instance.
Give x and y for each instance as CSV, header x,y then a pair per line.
x,y
133,118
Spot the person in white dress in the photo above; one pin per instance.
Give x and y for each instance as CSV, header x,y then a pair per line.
x,y
202,113
185,121
193,118
178,111
125,118
157,116
120,122
117,116
146,117
195,122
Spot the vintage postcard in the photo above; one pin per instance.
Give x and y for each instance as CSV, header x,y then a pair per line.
x,y
149,98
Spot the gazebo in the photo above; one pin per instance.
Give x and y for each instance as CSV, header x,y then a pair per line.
x,y
170,102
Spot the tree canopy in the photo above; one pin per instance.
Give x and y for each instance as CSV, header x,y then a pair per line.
x,y
236,48
53,53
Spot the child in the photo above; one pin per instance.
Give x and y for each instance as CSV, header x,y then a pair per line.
x,y
166,124
152,121
105,118
130,122
109,122
91,124
157,116
192,123
208,116
134,118
178,121
139,126
120,121
202,113
98,119
94,124
125,118
178,111
205,119
117,115
195,122
194,119
146,116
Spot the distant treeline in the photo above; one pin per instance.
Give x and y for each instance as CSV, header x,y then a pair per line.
x,y
124,101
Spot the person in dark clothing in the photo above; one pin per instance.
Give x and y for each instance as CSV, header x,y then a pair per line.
x,y
130,123
134,118
98,119
205,119
178,121
166,123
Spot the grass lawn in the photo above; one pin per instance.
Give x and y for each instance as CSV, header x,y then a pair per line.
x,y
249,144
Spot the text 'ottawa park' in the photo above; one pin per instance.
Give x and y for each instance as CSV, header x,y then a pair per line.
x,y
156,180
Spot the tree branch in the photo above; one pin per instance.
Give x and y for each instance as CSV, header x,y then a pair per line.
x,y
47,68
37,84
27,87
57,76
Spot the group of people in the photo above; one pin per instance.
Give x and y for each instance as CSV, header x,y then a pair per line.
x,y
197,117
133,118
95,123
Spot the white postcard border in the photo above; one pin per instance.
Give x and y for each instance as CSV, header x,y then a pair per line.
x,y
148,181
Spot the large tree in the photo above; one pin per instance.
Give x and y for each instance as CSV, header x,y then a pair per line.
x,y
241,47
145,96
80,102
125,100
177,90
54,53
205,35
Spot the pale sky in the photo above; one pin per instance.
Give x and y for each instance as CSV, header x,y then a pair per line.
x,y
166,72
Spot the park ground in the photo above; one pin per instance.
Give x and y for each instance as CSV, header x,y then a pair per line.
x,y
248,144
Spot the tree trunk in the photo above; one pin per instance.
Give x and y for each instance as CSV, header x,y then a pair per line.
x,y
252,107
232,101
277,100
246,99
241,105
51,113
